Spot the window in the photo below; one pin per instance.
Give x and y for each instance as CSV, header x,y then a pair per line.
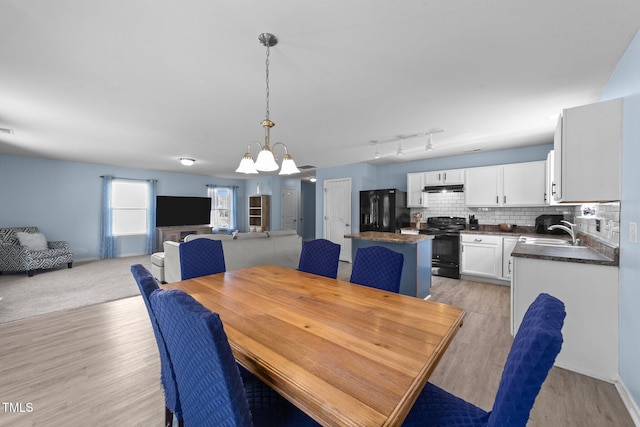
x,y
130,205
222,207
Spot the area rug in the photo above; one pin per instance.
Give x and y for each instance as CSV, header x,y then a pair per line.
x,y
87,283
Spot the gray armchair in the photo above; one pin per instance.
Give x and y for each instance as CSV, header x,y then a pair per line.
x,y
15,257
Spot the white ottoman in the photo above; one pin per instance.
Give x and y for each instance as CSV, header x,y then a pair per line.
x,y
157,266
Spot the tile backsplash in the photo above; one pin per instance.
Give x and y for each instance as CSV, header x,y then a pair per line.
x,y
452,204
607,215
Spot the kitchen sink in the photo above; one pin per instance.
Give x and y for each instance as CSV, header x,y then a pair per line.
x,y
544,241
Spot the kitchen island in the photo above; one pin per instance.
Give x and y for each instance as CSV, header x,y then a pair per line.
x,y
416,248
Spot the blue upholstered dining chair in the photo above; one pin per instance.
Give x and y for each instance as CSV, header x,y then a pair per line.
x,y
212,393
201,257
378,267
532,355
147,284
321,257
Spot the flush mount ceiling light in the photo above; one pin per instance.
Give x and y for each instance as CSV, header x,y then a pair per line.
x,y
266,161
186,161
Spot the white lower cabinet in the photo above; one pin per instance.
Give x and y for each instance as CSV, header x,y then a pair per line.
x,y
481,255
590,295
508,243
487,256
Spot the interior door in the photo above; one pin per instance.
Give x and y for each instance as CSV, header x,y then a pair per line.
x,y
337,214
289,208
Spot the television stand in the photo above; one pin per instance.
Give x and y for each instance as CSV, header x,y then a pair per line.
x,y
178,233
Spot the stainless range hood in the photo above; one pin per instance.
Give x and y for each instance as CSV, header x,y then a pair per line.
x,y
459,188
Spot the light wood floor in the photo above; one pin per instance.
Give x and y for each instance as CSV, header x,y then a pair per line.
x,y
98,366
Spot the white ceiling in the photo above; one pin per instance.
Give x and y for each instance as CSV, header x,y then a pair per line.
x,y
138,83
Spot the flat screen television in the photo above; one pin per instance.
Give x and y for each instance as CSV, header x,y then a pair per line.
x,y
180,210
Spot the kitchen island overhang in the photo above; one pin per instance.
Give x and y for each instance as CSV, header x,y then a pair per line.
x,y
417,251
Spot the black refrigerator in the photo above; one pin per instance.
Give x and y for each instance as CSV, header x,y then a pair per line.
x,y
383,210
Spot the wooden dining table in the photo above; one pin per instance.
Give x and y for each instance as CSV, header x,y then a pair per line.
x,y
346,354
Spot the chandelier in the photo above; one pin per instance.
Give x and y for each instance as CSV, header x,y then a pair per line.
x,y
266,161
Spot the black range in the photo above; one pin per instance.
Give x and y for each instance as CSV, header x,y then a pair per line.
x,y
446,244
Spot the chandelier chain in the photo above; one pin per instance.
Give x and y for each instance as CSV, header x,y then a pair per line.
x,y
267,79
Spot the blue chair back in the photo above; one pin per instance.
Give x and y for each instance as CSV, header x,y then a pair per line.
x,y
210,387
321,257
532,354
378,267
201,257
147,284
534,350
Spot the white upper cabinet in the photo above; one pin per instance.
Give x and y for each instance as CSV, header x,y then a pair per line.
x,y
482,185
524,184
517,184
415,196
550,190
448,177
588,147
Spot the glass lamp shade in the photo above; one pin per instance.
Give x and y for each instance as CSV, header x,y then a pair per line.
x,y
288,166
266,162
247,165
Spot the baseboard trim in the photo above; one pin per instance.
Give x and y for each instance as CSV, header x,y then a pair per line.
x,y
570,367
628,401
485,280
89,259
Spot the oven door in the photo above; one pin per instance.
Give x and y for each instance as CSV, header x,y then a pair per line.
x,y
446,255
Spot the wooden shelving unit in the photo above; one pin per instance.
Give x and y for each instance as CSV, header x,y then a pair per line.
x,y
178,233
259,213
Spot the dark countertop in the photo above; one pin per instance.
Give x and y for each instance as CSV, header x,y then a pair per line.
x,y
377,236
606,255
494,229
578,254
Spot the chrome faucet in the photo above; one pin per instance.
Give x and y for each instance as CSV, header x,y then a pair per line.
x,y
570,230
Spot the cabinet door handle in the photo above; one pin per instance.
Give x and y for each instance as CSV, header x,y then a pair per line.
x,y
504,199
445,177
509,266
497,200
438,177
553,188
477,240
